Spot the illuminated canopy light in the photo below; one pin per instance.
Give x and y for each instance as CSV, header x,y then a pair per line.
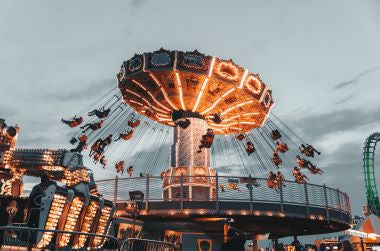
x,y
146,101
204,85
163,91
243,79
227,70
236,106
150,94
218,100
169,81
253,84
180,90
240,115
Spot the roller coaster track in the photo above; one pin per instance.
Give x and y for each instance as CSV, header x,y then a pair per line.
x,y
369,173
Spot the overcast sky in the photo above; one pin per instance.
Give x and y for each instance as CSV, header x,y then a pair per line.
x,y
320,58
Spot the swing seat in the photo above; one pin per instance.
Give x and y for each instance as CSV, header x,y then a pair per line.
x,y
240,137
134,124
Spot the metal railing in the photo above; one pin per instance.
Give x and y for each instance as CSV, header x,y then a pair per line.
x,y
244,189
144,244
23,238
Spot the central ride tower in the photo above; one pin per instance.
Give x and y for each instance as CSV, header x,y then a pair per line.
x,y
188,162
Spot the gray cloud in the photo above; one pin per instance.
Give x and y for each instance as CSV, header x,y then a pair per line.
x,y
81,91
319,125
355,79
57,45
344,99
345,170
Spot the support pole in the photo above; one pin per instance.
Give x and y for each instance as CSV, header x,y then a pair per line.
x,y
362,244
276,244
255,245
250,195
147,194
225,230
326,202
281,197
181,193
348,203
217,192
306,200
115,190
339,204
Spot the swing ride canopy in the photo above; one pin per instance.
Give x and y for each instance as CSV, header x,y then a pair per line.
x,y
159,83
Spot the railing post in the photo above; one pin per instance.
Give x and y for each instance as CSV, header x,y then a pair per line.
x,y
348,206
306,200
115,190
281,198
339,204
326,202
147,194
217,192
250,185
181,193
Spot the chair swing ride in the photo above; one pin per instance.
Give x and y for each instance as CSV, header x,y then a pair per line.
x,y
216,112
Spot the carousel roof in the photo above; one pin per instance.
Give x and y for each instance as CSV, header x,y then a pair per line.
x,y
159,83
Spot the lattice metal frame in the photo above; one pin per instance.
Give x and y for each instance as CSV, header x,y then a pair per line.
x,y
369,172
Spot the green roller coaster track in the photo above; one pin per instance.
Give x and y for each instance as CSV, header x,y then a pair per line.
x,y
369,173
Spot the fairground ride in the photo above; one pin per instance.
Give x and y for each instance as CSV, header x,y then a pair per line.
x,y
227,160
369,148
193,134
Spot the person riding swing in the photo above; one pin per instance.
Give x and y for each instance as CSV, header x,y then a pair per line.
x,y
206,140
302,163
103,161
314,169
119,166
299,177
275,134
276,160
240,137
281,147
249,148
272,180
125,135
134,124
94,126
95,147
101,113
74,122
308,150
81,145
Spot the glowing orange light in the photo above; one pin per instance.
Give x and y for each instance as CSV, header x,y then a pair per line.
x,y
218,100
180,90
236,106
204,85
227,70
163,91
253,84
150,94
243,78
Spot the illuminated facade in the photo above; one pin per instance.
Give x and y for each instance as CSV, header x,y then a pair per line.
x,y
74,207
